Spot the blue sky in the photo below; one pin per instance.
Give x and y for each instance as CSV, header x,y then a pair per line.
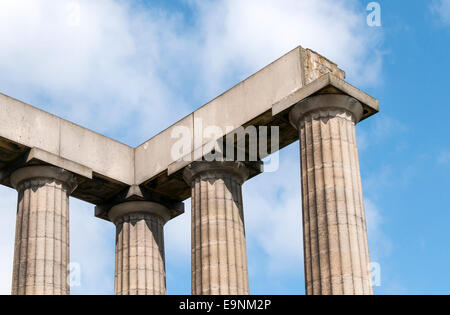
x,y
128,69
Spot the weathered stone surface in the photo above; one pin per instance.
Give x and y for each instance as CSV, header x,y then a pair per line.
x,y
316,65
219,255
140,263
41,252
334,225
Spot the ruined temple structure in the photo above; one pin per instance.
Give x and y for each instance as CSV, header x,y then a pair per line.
x,y
48,159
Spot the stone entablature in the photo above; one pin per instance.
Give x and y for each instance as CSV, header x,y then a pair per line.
x,y
47,159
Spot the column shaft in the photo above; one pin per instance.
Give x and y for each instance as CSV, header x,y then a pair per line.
x,y
334,226
219,255
41,253
140,261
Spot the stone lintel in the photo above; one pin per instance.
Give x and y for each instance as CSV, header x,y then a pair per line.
x,y
106,167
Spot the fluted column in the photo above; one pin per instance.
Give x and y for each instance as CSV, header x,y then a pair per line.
x,y
41,252
219,255
140,263
335,235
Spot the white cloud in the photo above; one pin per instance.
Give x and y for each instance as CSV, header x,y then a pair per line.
x,y
129,72
245,35
272,206
380,245
375,131
441,8
92,244
105,73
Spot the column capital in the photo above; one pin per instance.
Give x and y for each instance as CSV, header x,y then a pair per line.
x,y
199,168
139,207
43,172
326,102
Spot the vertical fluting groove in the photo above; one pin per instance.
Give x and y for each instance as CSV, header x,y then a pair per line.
x,y
196,238
17,246
322,213
38,265
44,236
163,259
347,221
139,265
366,242
31,289
153,264
146,272
66,279
140,268
193,241
59,230
215,222
335,164
118,263
213,241
133,255
228,226
232,267
158,259
204,270
361,247
126,275
218,240
360,215
344,242
237,240
51,235
222,236
143,257
200,237
317,193
306,220
326,208
37,248
335,232
22,261
316,283
352,214
244,242
309,212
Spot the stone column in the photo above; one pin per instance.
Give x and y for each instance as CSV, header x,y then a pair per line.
x,y
334,225
219,255
41,252
140,264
